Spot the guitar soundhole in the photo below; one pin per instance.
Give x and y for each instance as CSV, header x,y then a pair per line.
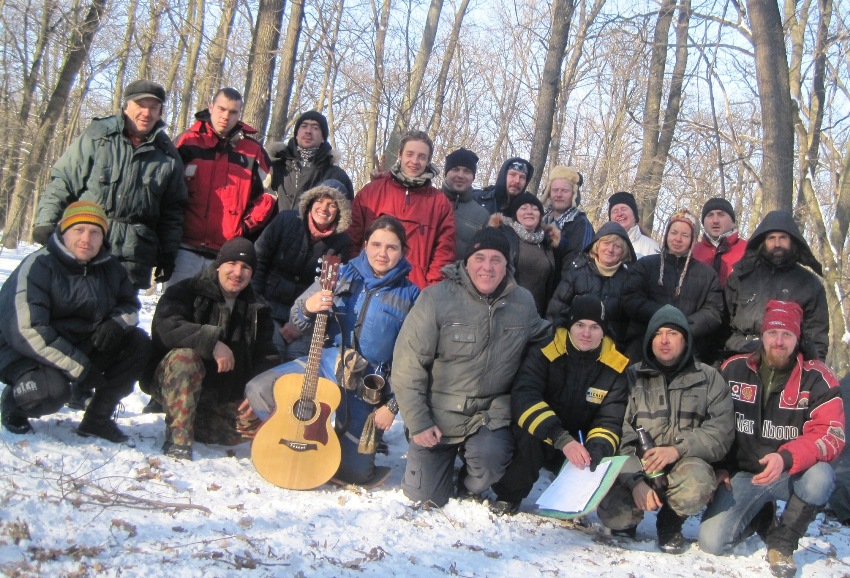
x,y
304,410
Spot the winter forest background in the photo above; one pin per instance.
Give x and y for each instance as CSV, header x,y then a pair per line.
x,y
677,101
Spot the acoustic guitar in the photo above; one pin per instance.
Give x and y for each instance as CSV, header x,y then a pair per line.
x,y
297,448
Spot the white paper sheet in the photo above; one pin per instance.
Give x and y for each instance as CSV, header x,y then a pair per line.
x,y
572,489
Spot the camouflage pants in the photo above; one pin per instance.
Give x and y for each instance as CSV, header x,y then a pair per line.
x,y
191,412
691,485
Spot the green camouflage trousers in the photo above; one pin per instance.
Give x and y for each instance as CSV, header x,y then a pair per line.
x,y
192,413
691,485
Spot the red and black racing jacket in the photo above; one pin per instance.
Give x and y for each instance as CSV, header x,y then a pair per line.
x,y
804,421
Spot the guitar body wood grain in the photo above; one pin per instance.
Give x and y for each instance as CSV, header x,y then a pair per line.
x,y
297,448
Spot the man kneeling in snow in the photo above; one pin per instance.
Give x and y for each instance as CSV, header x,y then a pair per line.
x,y
69,323
211,335
790,423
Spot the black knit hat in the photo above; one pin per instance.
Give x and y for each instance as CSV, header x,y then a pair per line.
x,y
316,116
718,204
623,198
139,89
462,158
238,249
521,199
587,307
489,238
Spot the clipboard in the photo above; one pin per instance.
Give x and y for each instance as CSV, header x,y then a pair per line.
x,y
615,464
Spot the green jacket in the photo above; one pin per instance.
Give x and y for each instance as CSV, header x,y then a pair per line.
x,y
142,191
457,353
693,412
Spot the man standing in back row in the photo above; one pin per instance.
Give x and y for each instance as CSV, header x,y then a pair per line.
x,y
306,161
126,164
470,217
407,194
227,174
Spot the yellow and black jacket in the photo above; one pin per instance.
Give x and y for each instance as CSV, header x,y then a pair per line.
x,y
561,389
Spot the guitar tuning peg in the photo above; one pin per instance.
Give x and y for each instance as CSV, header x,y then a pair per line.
x,y
319,260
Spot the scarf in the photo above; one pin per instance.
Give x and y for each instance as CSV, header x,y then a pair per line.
x,y
607,271
413,182
716,242
565,217
534,238
315,233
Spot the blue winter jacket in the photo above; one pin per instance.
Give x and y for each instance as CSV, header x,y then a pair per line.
x,y
371,307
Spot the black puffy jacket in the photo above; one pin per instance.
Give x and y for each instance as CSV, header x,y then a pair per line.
x,y
700,297
286,261
52,304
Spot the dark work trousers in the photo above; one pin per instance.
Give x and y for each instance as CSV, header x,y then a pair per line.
x,y
530,454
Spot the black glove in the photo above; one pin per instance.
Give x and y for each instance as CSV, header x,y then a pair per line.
x,y
597,451
107,336
41,233
163,273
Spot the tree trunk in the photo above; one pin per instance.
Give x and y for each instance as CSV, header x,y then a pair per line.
x,y
261,64
411,96
381,20
20,143
196,26
286,73
211,79
442,78
550,83
80,44
658,129
124,54
150,39
777,171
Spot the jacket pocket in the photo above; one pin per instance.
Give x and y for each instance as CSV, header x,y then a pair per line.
x,y
457,340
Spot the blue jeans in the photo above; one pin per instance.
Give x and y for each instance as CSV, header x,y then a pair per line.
x,y
728,516
355,468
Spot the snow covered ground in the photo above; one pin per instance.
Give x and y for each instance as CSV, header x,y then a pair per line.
x,y
76,507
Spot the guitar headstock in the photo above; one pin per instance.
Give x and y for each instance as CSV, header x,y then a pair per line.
x,y
330,271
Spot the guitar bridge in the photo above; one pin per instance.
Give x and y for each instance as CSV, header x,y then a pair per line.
x,y
298,446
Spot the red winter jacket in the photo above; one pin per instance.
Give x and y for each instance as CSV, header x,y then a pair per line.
x,y
227,181
721,258
427,217
804,422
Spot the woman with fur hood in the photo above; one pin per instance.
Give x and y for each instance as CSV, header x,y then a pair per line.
x,y
532,246
287,253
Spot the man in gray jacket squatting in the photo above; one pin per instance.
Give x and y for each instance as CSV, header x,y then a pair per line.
x,y
454,362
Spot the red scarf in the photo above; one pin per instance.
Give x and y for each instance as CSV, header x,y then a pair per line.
x,y
316,233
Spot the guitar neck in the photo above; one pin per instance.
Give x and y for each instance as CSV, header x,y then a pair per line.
x,y
311,374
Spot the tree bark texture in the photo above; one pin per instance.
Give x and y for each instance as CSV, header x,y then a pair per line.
x,y
261,64
286,73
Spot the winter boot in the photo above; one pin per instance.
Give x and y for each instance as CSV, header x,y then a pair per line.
x,y
177,451
98,422
782,539
11,416
669,527
80,398
463,494
505,507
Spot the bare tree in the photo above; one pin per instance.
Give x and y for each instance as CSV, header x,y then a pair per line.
x,y
417,74
442,77
777,170
550,84
150,38
286,73
381,18
660,126
124,53
261,64
79,47
196,25
211,80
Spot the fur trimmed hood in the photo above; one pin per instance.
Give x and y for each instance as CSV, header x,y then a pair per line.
x,y
343,220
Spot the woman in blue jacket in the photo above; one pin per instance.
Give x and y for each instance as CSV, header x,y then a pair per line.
x,y
368,306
